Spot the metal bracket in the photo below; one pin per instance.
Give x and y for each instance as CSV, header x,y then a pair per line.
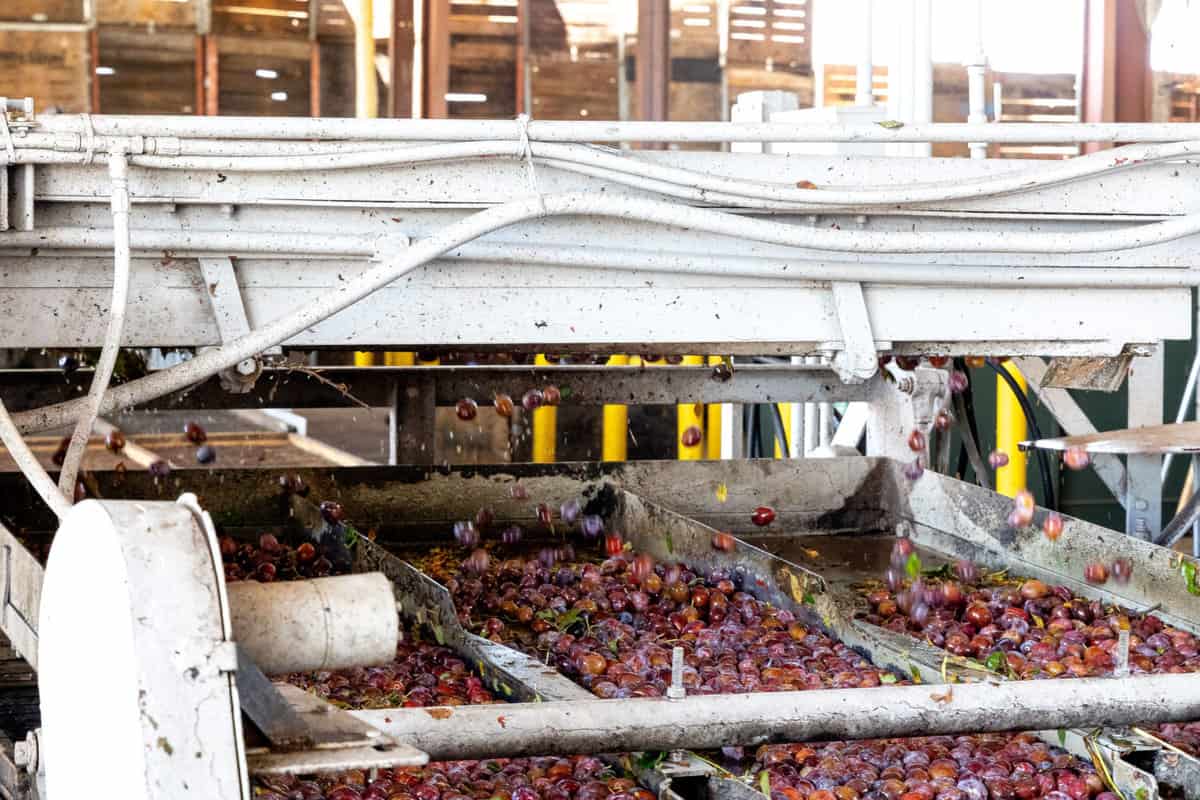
x,y
229,310
858,361
273,715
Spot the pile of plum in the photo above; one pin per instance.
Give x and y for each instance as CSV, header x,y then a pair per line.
x,y
422,674
271,560
574,778
611,626
1028,629
977,767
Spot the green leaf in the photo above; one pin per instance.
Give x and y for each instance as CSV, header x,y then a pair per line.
x,y
1188,568
996,661
808,599
913,566
1142,794
650,759
545,614
567,618
944,571
890,124
614,647
916,674
566,392
764,783
670,542
1062,738
887,677
351,535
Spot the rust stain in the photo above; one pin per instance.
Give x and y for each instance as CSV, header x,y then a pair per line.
x,y
501,719
439,713
943,698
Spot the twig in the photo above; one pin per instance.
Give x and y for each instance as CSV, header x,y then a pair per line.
x,y
340,388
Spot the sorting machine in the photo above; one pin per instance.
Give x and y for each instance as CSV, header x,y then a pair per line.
x,y
239,237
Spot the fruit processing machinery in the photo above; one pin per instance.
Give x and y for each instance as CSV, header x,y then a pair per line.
x,y
238,237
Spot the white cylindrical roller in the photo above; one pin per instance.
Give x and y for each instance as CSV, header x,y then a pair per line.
x,y
326,623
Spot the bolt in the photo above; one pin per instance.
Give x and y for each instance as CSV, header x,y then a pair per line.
x,y
1141,505
247,367
676,691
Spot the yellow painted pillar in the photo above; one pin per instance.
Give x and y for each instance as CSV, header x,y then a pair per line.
x,y
688,415
1010,430
364,359
399,359
545,426
712,423
366,91
785,411
614,443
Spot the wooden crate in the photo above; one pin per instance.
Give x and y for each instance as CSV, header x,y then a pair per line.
x,y
563,89
695,29
41,10
483,60
244,92
840,83
152,72
334,20
282,19
53,66
773,34
337,78
158,13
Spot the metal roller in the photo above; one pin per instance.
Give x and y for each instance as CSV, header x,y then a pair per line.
x,y
326,623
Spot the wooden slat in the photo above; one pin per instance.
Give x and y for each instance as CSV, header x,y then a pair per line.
x,y
153,73
41,11
53,65
334,20
274,18
774,31
160,13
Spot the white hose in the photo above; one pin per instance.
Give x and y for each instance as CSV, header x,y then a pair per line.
x,y
628,208
693,185
424,130
118,170
33,470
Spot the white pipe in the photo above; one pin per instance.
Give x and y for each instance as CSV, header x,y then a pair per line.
x,y
622,208
803,267
601,131
118,171
864,78
710,721
976,74
699,186
1189,389
29,465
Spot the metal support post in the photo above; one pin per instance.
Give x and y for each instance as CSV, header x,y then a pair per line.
x,y
412,423
1143,486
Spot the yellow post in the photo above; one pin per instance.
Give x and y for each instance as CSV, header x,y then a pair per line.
x,y
366,90
1010,429
613,446
785,411
364,359
399,359
545,426
688,415
712,424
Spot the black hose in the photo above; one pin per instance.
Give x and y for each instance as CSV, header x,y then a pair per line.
x,y
1042,459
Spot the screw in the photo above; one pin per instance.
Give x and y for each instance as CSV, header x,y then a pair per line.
x,y
247,367
676,691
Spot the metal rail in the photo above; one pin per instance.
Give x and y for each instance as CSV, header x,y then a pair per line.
x,y
713,721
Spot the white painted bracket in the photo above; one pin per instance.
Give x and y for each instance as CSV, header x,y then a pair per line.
x,y
229,310
858,361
